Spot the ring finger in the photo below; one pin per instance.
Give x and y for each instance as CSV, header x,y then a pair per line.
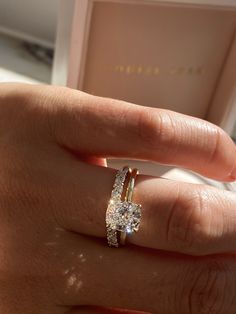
x,y
187,218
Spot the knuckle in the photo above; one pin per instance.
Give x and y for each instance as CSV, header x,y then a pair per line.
x,y
60,97
207,289
64,107
188,228
155,128
216,140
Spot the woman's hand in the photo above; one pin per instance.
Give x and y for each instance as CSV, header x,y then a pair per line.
x,y
54,194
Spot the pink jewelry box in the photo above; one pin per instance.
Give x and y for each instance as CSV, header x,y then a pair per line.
x,y
178,55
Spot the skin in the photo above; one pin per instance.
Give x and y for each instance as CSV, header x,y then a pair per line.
x,y
54,191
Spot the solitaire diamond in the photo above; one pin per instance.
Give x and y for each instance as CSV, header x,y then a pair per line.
x,y
124,216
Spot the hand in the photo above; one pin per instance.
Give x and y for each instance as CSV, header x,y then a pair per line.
x,y
54,191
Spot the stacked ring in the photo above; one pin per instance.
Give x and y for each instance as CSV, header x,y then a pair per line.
x,y
122,215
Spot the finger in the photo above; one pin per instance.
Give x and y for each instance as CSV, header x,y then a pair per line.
x,y
194,219
90,273
189,218
105,127
112,128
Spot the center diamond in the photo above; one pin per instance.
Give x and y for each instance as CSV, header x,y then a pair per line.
x,y
124,216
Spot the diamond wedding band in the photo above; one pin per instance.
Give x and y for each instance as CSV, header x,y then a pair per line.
x,y
122,215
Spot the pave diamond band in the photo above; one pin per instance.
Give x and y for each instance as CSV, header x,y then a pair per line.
x,y
122,216
112,236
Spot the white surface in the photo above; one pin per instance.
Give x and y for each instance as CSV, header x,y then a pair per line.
x,y
190,177
25,36
9,76
63,40
16,59
32,17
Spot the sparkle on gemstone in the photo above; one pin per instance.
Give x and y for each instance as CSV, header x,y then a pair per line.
x,y
124,216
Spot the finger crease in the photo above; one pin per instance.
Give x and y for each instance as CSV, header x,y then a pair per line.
x,y
214,152
172,209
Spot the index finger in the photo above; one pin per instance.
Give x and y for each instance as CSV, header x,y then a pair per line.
x,y
113,128
105,127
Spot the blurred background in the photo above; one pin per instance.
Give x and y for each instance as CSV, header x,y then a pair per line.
x,y
27,39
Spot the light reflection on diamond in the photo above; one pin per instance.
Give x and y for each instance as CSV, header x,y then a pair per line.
x,y
124,216
128,230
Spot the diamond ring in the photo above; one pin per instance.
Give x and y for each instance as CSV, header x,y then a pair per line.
x,y
122,215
